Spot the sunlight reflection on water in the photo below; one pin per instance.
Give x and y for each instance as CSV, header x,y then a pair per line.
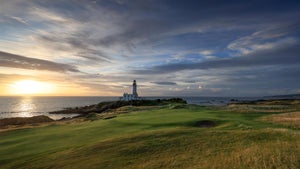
x,y
25,107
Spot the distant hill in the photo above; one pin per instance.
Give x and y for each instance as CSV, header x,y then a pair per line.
x,y
289,96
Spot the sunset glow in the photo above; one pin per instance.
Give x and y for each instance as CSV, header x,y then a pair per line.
x,y
31,87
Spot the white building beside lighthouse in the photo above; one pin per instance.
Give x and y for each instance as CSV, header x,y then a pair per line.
x,y
133,96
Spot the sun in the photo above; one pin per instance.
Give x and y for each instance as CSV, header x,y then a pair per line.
x,y
31,87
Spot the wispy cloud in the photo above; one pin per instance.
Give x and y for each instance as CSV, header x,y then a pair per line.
x,y
282,55
18,19
17,61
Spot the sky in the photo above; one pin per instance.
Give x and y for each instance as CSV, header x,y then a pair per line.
x,y
171,47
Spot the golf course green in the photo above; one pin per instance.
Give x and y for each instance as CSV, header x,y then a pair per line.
x,y
166,136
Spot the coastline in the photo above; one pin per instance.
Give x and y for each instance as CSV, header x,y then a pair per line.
x,y
107,110
85,112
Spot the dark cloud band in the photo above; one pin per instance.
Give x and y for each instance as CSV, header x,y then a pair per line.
x,y
17,61
165,83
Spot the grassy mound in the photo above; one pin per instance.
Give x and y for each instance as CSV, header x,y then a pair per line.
x,y
24,120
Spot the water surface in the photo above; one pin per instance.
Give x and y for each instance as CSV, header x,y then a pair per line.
x,y
34,106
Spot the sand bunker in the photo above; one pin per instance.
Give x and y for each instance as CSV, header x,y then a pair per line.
x,y
205,124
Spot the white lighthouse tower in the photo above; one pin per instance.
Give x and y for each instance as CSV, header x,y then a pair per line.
x,y
133,96
134,88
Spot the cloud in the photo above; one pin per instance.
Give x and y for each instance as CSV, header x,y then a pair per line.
x,y
78,45
17,61
111,30
7,78
266,38
18,19
186,44
284,55
51,16
165,83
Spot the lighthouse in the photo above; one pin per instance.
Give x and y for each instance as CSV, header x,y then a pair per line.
x,y
133,96
134,87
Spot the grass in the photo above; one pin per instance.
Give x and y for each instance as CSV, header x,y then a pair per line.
x,y
288,119
156,137
22,121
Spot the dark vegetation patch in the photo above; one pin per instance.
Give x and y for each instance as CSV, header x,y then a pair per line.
x,y
109,117
92,116
107,106
205,123
178,106
24,120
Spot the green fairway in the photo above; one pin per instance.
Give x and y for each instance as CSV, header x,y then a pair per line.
x,y
160,137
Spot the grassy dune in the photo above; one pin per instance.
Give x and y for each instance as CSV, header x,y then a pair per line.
x,y
9,122
156,137
288,119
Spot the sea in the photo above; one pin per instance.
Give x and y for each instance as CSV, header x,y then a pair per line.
x,y
41,105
